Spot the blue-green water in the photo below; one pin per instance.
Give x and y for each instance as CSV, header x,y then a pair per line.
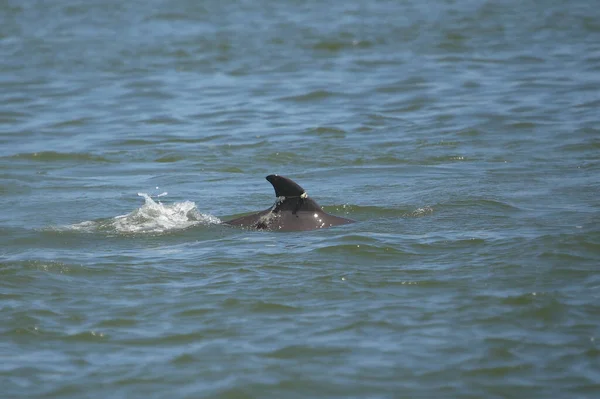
x,y
464,137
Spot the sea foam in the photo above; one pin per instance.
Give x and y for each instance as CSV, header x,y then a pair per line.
x,y
152,217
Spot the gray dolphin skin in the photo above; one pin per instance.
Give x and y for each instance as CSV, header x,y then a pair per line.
x,y
293,210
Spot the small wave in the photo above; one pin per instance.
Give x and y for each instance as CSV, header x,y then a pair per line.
x,y
337,45
376,211
152,217
325,131
486,204
53,156
366,250
419,212
315,95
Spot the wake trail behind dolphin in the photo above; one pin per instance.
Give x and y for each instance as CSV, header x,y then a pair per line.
x,y
152,217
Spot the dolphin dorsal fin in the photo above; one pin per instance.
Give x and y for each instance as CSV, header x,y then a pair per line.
x,y
285,187
290,196
293,211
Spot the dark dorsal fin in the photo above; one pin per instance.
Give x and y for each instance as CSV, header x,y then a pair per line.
x,y
285,187
293,211
295,199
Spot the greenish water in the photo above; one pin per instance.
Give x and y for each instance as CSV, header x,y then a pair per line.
x,y
462,135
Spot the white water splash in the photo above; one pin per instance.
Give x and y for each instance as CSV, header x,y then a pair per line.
x,y
152,217
420,212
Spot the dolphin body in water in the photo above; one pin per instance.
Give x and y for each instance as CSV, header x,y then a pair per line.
x,y
293,210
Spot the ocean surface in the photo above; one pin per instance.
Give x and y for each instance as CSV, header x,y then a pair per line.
x,y
462,135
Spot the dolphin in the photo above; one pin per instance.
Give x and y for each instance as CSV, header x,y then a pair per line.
x,y
293,210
